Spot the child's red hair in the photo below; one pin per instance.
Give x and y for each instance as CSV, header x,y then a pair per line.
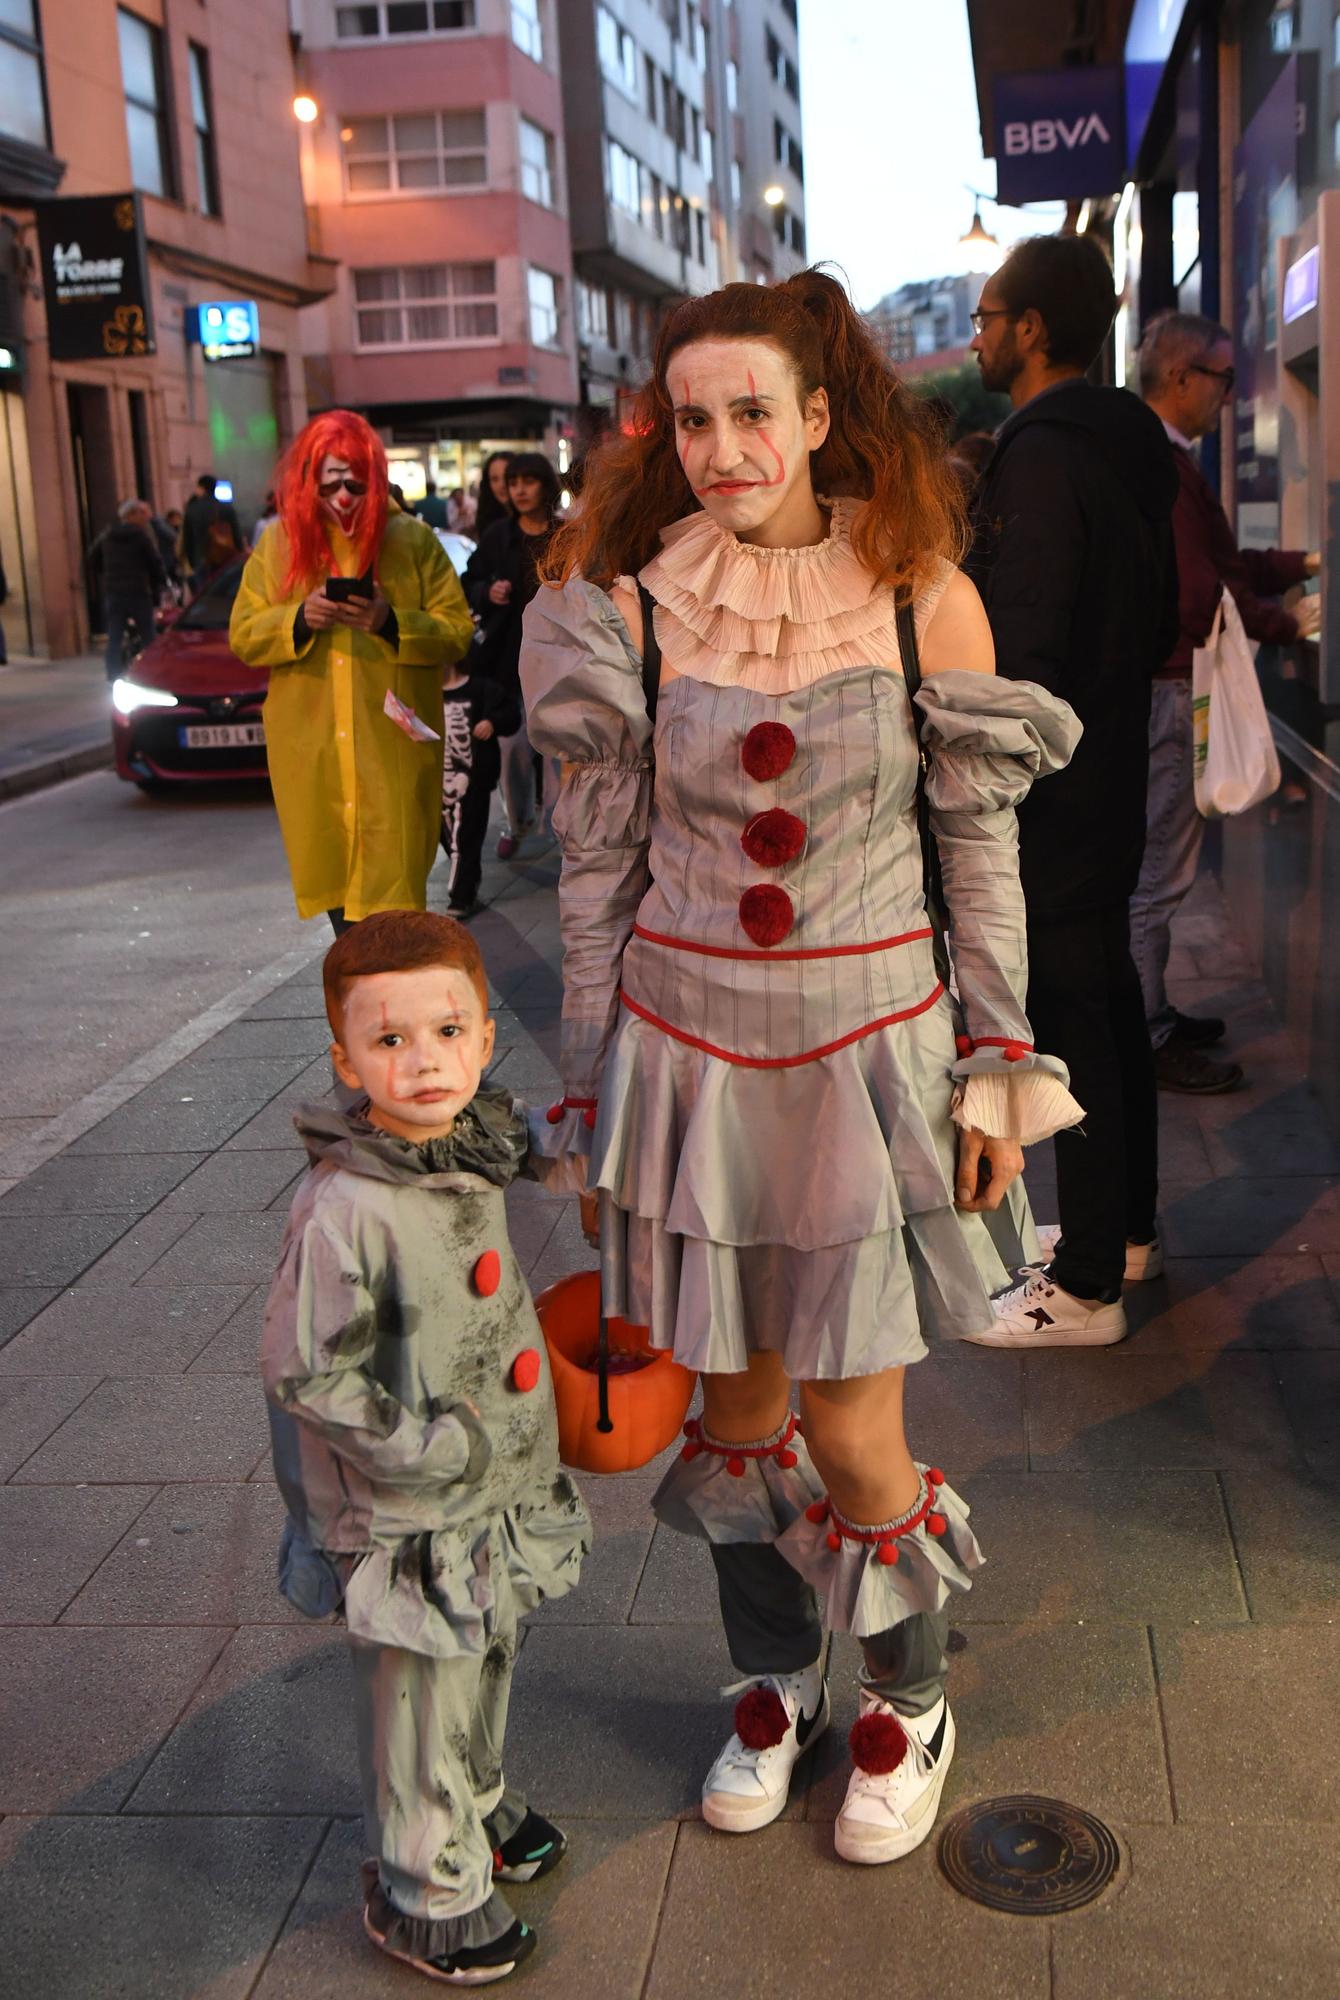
x,y
398,941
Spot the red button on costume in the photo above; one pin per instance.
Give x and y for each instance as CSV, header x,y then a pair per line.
x,y
526,1370
767,751
488,1274
767,913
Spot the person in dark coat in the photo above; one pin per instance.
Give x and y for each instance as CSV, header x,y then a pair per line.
x,y
432,508
500,580
493,504
1186,377
203,511
476,712
130,575
1073,555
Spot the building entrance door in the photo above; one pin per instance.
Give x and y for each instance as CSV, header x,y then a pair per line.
x,y
94,478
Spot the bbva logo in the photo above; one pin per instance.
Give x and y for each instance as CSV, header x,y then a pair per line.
x,y
1044,135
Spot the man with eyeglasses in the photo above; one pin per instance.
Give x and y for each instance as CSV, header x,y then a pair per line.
x,y
1186,377
1073,556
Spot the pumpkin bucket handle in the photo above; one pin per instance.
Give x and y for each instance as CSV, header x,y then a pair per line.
x,y
604,1422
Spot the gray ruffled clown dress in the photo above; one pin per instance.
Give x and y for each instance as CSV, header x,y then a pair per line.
x,y
752,1008
416,1446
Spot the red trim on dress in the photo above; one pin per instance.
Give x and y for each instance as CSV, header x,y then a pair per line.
x,y
826,951
783,1062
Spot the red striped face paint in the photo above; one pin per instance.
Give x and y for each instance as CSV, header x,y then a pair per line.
x,y
740,434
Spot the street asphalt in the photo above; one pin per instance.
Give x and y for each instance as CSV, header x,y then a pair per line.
x,y
1154,1638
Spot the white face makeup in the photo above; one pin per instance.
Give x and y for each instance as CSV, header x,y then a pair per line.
x,y
417,1043
742,438
337,501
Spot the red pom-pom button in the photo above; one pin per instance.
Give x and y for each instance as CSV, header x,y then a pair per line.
x,y
937,1524
887,1553
817,1511
526,1370
964,1044
488,1274
735,1467
690,1451
773,838
834,1541
691,1428
555,1114
786,1459
1015,1051
767,913
589,1118
935,1476
767,751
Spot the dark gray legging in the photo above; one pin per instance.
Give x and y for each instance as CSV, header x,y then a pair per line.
x,y
772,1623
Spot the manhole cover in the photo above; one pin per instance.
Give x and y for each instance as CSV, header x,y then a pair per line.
x,y
1037,1857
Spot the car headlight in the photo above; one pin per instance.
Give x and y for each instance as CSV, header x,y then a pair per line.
x,y
127,696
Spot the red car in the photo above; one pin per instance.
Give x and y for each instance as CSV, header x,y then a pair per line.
x,y
187,709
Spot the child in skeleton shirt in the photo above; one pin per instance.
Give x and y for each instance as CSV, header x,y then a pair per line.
x,y
476,711
415,1439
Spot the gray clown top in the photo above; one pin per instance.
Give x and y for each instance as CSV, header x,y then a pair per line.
x,y
750,994
411,1403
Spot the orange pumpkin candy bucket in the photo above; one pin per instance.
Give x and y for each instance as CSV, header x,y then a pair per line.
x,y
644,1390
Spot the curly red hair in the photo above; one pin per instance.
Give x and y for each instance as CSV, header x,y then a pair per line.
x,y
341,434
884,444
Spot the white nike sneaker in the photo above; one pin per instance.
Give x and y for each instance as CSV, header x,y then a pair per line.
x,y
777,1718
900,1767
1037,1313
1143,1260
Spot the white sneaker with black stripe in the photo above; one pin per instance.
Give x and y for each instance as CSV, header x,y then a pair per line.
x,y
1037,1313
777,1718
899,1767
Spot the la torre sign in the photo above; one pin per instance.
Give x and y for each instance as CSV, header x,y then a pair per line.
x,y
1059,134
94,278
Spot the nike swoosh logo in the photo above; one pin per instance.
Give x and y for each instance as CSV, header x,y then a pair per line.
x,y
936,1743
805,1725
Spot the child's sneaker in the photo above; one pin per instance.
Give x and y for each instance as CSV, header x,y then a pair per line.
x,y
894,1793
535,1848
467,1965
1037,1313
776,1720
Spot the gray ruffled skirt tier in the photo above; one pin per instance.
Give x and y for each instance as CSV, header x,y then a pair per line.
x,y
805,1211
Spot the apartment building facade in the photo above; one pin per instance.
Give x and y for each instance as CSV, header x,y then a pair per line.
x,y
765,162
437,183
148,166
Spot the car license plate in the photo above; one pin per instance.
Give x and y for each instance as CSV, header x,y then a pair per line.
x,y
221,735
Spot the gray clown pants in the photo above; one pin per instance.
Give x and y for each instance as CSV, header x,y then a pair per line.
x,y
430,1744
773,1626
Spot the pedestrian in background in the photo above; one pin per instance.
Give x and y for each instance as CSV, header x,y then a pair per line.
x,y
202,511
432,508
500,580
1186,377
1073,555
493,504
356,610
477,712
129,574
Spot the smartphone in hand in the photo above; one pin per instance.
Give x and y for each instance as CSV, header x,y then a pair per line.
x,y
345,589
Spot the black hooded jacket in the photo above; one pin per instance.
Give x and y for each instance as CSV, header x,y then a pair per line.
x,y
1073,555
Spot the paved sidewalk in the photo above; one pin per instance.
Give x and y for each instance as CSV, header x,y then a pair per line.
x,y
54,721
1154,1639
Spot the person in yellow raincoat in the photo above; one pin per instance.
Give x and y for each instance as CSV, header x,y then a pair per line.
x,y
357,779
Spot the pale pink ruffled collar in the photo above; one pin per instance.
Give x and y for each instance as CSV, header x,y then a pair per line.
x,y
772,619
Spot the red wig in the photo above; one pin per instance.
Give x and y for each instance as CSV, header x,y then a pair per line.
x,y
884,444
344,435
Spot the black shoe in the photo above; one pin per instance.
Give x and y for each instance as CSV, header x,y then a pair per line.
x,y
1198,1031
1176,1067
468,1965
535,1848
464,911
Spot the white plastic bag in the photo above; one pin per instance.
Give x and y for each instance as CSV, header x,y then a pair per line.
x,y
1235,763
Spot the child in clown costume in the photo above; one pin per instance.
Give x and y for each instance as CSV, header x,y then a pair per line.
x,y
801,1177
415,1438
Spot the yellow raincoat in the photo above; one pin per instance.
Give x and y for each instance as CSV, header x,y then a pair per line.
x,y
359,802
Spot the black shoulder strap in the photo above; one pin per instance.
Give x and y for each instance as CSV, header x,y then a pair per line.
x,y
930,859
651,652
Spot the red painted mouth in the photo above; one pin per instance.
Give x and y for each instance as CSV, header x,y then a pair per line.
x,y
735,486
430,1096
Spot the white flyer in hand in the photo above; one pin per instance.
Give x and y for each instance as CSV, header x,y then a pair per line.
x,y
405,718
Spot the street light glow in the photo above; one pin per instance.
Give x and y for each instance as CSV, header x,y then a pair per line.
x,y
306,110
774,195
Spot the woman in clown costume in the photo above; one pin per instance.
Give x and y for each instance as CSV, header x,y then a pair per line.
x,y
802,1177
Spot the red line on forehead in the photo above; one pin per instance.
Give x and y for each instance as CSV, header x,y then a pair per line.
x,y
386,1021
752,390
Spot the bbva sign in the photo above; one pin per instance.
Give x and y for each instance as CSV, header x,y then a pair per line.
x,y
1058,134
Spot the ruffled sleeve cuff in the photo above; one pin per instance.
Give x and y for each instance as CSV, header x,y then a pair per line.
x,y
1012,1092
990,739
560,1143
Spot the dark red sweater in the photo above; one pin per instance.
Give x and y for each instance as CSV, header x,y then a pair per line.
x,y
1208,557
